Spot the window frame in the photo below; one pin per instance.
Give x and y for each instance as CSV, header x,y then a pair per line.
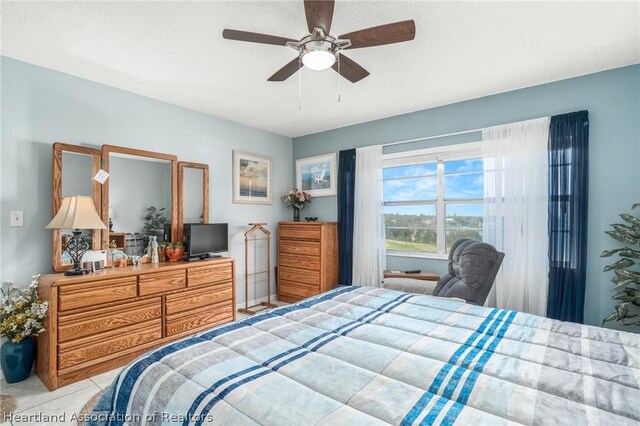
x,y
438,155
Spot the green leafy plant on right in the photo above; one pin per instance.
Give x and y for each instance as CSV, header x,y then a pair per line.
x,y
154,220
626,282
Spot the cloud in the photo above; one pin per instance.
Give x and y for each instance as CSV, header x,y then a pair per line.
x,y
464,166
410,171
411,189
460,187
253,169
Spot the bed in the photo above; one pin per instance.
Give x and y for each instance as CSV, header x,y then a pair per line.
x,y
361,355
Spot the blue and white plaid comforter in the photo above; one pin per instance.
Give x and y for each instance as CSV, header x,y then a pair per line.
x,y
366,356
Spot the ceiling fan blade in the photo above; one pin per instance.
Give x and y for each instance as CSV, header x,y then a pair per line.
x,y
350,69
383,34
255,37
285,72
319,14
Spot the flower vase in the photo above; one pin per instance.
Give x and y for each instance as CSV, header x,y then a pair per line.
x,y
16,359
296,215
174,254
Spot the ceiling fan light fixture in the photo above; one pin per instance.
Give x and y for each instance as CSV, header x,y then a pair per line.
x,y
318,60
319,50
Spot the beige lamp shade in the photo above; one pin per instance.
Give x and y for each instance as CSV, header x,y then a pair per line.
x,y
112,213
76,212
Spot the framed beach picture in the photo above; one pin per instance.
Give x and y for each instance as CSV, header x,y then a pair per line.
x,y
317,175
251,178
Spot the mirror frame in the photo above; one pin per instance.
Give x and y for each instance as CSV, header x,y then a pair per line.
x,y
205,193
58,149
109,149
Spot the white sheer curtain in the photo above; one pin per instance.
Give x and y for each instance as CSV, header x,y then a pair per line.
x,y
516,170
369,252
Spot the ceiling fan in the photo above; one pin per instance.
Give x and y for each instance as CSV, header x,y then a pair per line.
x,y
318,50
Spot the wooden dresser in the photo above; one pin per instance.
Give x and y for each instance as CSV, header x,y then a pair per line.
x,y
307,259
100,321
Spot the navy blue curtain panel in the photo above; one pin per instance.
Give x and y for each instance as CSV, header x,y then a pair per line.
x,y
346,189
568,199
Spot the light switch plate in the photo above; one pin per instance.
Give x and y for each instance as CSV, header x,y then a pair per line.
x,y
17,218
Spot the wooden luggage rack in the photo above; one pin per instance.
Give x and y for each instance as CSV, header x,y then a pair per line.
x,y
256,233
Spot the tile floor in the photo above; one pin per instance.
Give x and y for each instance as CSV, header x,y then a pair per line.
x,y
34,399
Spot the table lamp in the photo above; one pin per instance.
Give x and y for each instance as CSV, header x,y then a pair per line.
x,y
76,213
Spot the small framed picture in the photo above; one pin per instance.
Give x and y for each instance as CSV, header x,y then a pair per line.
x,y
251,178
317,175
93,265
94,257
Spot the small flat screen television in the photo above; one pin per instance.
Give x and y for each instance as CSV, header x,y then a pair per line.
x,y
203,239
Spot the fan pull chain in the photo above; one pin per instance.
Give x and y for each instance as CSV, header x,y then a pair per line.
x,y
299,83
339,78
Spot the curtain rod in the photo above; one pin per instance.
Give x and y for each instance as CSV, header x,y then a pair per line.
x,y
464,132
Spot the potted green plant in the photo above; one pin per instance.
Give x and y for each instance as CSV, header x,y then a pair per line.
x,y
21,314
174,251
626,281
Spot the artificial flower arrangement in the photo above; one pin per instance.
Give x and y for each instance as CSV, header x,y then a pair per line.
x,y
296,199
21,312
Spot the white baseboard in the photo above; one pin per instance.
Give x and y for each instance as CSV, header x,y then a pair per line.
x,y
274,297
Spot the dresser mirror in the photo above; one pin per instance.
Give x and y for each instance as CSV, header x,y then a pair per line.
x,y
193,194
139,199
73,170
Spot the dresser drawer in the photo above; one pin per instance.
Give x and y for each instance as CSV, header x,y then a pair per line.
x,y
299,261
161,282
100,345
209,274
300,232
299,275
75,326
297,289
193,319
96,293
193,299
300,247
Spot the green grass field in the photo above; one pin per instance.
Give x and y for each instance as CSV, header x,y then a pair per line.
x,y
397,245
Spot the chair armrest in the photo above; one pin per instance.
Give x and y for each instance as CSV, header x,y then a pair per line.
x,y
409,285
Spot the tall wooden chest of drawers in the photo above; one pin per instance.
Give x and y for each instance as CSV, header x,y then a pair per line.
x,y
100,321
307,259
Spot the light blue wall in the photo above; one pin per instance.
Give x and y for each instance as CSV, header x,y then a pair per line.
x,y
613,100
41,106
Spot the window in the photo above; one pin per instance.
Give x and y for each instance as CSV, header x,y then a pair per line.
x,y
432,198
562,198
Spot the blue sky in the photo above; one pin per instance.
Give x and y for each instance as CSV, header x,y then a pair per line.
x,y
463,180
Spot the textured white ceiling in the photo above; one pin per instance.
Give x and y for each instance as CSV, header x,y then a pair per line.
x,y
174,51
